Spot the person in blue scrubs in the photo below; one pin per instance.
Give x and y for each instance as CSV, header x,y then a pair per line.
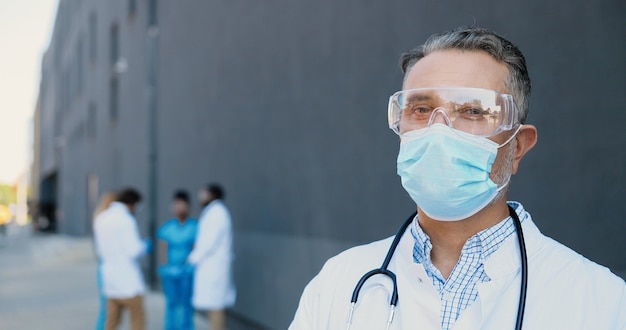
x,y
178,236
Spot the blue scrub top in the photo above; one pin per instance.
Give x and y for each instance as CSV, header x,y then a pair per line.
x,y
180,239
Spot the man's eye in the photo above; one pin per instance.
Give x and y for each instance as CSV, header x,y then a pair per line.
x,y
473,111
420,110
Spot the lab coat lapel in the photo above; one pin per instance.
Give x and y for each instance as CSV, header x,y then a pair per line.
x,y
501,268
471,318
498,298
418,301
496,305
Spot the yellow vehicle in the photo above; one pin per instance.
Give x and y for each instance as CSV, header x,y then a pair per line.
x,y
5,214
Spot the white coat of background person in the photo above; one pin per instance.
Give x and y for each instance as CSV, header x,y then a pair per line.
x,y
119,247
461,120
212,256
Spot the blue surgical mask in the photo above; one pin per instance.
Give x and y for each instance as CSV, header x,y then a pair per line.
x,y
446,172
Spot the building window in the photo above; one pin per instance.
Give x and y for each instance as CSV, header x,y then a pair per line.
x,y
92,120
114,99
65,92
79,66
152,12
93,35
114,45
114,81
132,8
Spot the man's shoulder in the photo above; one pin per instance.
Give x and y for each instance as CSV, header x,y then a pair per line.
x,y
191,224
358,258
557,271
559,250
571,266
216,209
168,224
105,217
115,216
380,246
545,254
219,205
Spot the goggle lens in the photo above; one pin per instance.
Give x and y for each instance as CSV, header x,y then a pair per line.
x,y
480,112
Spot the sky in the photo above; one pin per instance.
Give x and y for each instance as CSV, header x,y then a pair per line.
x,y
25,28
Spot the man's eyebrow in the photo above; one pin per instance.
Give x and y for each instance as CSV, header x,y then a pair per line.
x,y
418,97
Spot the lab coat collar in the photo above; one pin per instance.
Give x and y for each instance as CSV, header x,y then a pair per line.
x,y
503,268
403,261
506,260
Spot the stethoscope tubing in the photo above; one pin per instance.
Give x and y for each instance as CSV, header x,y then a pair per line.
x,y
383,268
521,306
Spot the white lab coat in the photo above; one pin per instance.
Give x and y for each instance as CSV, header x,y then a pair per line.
x,y
212,255
119,247
565,290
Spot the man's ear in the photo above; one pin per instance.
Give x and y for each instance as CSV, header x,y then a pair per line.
x,y
526,139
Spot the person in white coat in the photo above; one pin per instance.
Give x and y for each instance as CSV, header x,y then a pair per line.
x,y
119,248
458,265
212,256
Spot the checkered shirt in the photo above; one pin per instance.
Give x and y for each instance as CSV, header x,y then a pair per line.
x,y
459,290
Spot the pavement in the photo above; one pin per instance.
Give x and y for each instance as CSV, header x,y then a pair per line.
x,y
48,282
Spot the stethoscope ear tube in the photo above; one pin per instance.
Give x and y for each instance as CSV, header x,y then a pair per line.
x,y
396,240
383,268
386,272
382,271
524,269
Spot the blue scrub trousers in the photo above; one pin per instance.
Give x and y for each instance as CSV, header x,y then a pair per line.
x,y
102,314
177,282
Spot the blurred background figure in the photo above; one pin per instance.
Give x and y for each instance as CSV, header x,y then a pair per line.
x,y
105,201
177,237
214,289
119,248
5,218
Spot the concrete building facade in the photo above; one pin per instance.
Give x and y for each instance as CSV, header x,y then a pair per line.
x,y
284,103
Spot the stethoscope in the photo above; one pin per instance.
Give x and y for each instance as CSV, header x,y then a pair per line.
x,y
394,295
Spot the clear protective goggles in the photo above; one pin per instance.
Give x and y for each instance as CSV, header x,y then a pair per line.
x,y
481,112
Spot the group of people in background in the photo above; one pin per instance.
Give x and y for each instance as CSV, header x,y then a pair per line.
x,y
196,258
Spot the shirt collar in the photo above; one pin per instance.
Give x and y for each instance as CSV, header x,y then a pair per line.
x,y
485,242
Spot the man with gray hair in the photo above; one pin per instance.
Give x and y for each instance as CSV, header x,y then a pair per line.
x,y
468,258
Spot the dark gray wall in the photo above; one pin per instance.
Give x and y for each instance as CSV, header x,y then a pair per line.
x,y
284,103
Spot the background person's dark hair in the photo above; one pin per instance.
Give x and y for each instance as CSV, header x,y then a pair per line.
x,y
216,190
129,196
181,195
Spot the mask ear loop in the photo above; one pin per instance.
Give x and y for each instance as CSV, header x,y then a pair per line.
x,y
512,136
504,185
502,145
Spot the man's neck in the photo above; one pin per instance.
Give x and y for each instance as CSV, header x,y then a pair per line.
x,y
449,237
